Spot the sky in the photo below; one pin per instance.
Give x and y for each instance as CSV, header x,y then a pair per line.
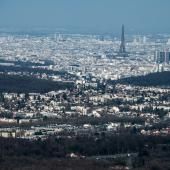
x,y
97,16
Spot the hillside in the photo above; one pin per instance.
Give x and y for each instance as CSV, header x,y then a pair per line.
x,y
27,84
153,79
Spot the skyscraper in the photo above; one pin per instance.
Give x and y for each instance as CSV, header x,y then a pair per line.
x,y
122,50
162,57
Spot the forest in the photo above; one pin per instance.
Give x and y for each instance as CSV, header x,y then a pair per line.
x,y
27,68
53,152
153,79
28,84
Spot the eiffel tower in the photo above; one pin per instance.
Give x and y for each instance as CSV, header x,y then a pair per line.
x,y
122,50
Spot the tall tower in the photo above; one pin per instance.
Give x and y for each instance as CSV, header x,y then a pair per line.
x,y
122,50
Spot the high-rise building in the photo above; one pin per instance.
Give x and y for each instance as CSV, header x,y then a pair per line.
x,y
122,50
162,57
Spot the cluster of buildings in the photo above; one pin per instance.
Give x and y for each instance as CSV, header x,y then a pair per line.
x,y
83,55
89,62
162,57
137,107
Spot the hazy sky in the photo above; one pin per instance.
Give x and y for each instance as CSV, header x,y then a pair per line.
x,y
104,16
